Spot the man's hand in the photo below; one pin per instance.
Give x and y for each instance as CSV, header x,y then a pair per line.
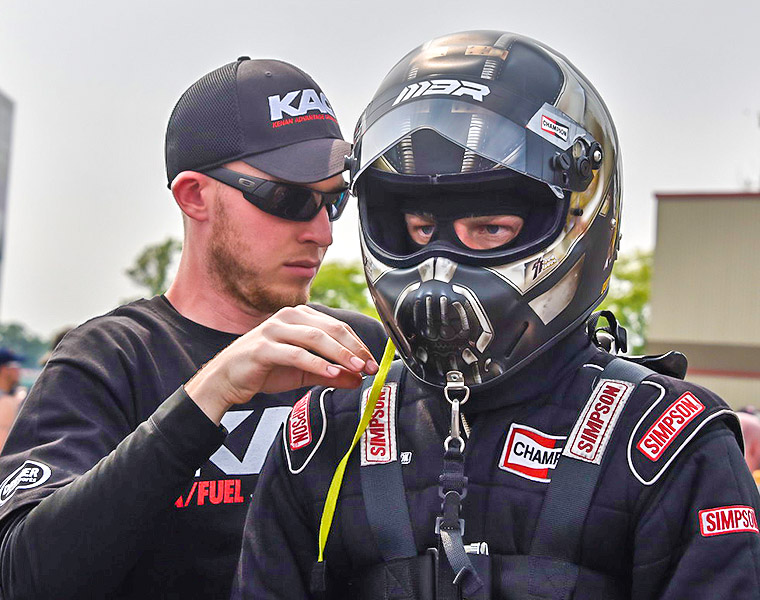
x,y
296,347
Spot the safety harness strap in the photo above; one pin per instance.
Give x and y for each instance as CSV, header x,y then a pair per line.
x,y
568,499
385,497
450,527
318,581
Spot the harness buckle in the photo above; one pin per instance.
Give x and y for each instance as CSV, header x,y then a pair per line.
x,y
440,524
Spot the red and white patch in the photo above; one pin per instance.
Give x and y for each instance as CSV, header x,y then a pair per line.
x,y
667,427
378,443
530,453
299,425
554,127
727,519
593,429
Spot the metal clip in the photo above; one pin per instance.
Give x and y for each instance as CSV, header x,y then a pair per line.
x,y
477,548
455,382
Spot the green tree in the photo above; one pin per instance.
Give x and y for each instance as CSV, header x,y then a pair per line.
x,y
16,337
342,285
629,294
151,268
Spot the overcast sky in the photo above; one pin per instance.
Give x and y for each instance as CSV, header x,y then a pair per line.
x,y
94,82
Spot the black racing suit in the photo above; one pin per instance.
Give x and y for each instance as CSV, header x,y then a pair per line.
x,y
115,484
672,516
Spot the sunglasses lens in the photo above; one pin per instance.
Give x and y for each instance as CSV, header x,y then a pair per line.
x,y
337,204
301,204
289,202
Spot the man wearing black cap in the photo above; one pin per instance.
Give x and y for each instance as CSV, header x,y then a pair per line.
x,y
129,472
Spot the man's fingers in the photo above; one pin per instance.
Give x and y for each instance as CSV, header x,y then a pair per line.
x,y
345,379
304,315
300,359
322,343
313,330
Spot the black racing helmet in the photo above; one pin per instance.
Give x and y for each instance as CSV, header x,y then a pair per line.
x,y
467,135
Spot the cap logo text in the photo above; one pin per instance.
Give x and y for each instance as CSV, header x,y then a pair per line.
x,y
309,100
727,519
449,87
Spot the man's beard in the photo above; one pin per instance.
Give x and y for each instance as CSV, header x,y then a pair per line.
x,y
243,282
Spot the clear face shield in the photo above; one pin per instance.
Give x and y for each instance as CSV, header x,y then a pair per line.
x,y
551,148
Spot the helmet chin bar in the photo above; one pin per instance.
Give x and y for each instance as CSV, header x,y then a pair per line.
x,y
446,329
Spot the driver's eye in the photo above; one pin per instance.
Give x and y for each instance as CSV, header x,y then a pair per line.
x,y
420,228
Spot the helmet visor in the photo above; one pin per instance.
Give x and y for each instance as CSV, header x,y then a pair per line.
x,y
550,147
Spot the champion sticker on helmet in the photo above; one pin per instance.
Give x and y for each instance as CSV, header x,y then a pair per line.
x,y
554,127
29,475
530,453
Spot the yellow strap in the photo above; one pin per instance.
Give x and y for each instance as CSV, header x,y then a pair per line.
x,y
332,494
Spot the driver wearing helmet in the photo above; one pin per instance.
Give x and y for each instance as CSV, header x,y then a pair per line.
x,y
507,454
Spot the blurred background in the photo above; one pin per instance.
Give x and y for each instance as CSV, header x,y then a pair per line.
x,y
86,88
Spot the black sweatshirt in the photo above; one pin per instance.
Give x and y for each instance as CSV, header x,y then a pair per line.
x,y
114,483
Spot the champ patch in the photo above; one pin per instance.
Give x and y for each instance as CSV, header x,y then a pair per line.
x,y
669,425
378,442
530,453
299,424
594,427
29,475
727,519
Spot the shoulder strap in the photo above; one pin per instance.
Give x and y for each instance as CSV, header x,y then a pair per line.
x,y
384,494
567,501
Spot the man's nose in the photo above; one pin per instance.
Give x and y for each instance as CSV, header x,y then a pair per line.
x,y
318,230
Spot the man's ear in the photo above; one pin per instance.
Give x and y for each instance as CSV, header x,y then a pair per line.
x,y
193,193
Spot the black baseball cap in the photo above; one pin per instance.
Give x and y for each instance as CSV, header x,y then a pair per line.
x,y
267,113
9,356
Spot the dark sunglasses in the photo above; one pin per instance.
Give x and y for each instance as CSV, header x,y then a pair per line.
x,y
284,200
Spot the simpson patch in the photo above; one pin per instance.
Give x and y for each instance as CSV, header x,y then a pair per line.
x,y
378,442
299,424
667,426
305,429
727,519
591,432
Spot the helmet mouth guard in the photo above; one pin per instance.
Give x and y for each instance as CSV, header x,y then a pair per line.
x,y
384,196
